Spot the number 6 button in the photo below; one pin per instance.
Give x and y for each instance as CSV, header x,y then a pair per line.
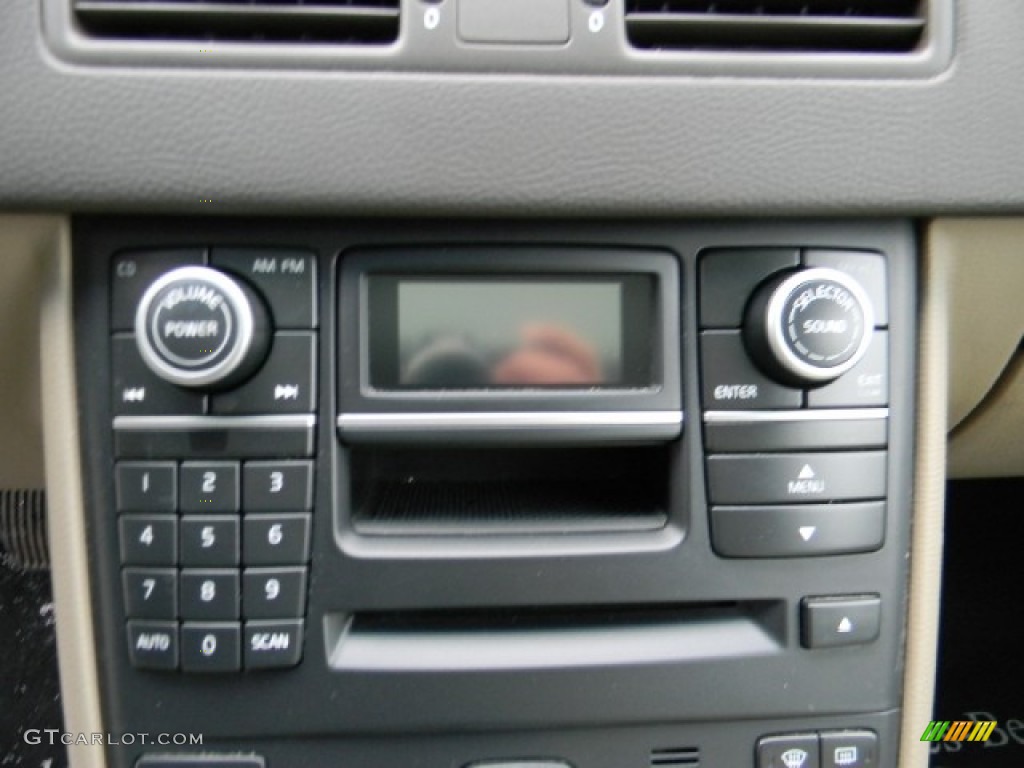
x,y
275,539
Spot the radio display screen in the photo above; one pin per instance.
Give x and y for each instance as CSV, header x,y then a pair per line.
x,y
440,332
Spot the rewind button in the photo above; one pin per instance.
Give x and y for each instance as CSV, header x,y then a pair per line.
x,y
136,390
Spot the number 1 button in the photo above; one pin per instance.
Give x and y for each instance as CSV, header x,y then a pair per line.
x,y
146,486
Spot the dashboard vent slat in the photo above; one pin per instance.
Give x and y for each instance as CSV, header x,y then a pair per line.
x,y
807,26
681,757
359,22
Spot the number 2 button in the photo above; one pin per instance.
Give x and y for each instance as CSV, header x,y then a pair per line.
x,y
209,486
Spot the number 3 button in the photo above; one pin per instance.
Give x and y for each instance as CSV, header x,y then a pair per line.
x,y
277,486
275,539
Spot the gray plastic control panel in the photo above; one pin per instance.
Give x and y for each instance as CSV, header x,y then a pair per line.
x,y
505,494
214,549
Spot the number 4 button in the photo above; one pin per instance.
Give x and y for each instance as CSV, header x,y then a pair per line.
x,y
275,539
149,539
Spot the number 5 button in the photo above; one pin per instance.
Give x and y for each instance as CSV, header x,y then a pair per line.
x,y
209,540
277,486
275,539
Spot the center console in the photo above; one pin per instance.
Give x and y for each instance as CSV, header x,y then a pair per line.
x,y
505,494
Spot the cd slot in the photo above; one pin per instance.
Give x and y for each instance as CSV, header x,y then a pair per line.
x,y
527,639
492,490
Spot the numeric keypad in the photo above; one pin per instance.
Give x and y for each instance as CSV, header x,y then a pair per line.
x,y
216,562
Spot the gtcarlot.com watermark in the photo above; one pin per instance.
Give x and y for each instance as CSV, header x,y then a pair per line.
x,y
55,736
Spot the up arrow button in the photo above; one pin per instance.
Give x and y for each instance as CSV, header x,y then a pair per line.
x,y
796,478
840,620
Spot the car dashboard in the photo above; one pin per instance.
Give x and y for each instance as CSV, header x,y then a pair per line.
x,y
500,384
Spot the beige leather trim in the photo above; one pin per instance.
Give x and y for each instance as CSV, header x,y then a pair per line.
x,y
985,257
929,506
21,282
990,442
76,648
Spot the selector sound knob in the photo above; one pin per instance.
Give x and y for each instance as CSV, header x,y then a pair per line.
x,y
808,327
197,327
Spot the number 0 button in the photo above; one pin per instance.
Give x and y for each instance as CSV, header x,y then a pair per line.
x,y
275,539
211,646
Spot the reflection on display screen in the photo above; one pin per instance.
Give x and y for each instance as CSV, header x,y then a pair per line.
x,y
477,334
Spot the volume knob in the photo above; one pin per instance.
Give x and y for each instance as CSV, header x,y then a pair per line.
x,y
808,327
197,327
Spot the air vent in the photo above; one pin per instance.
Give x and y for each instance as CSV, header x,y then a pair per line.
x,y
345,22
686,756
811,26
